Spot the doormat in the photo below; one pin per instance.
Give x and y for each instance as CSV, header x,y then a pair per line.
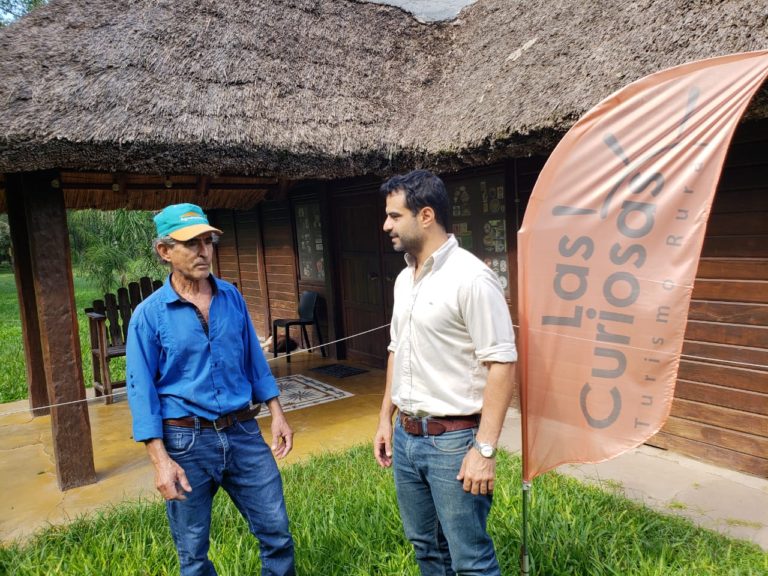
x,y
339,370
299,391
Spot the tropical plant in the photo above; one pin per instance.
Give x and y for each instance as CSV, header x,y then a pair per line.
x,y
5,239
113,248
10,10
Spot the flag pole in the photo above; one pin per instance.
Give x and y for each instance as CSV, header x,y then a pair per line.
x,y
525,563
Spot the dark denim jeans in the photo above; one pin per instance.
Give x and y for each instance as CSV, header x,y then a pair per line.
x,y
238,460
446,525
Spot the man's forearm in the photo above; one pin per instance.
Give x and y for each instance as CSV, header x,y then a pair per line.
x,y
387,407
382,441
498,394
156,451
274,407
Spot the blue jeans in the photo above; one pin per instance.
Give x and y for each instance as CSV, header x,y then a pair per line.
x,y
238,460
446,525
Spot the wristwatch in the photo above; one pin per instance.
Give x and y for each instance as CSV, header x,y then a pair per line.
x,y
486,450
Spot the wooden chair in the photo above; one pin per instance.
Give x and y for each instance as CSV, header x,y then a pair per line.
x,y
307,316
108,326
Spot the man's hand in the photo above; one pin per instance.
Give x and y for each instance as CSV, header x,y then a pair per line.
x,y
382,443
282,434
282,438
170,479
477,473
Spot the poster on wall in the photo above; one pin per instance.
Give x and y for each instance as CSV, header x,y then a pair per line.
x,y
478,220
309,240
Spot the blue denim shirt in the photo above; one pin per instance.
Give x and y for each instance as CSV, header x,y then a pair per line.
x,y
174,369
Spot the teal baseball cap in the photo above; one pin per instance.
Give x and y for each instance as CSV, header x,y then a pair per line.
x,y
182,222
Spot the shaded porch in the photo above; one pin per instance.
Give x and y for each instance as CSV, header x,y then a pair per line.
x,y
31,498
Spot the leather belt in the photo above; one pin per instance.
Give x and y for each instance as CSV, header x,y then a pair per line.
x,y
436,426
220,423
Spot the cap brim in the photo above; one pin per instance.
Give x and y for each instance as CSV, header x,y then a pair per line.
x,y
189,232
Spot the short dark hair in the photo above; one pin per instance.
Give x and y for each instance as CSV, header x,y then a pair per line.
x,y
421,189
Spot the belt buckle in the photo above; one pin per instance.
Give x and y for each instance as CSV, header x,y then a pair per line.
x,y
227,422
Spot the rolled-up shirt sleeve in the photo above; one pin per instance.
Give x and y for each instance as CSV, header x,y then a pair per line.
x,y
487,319
403,278
263,382
142,357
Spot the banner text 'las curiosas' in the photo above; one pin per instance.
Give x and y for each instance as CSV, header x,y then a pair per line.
x,y
607,256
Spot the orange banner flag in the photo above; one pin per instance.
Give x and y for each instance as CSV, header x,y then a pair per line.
x,y
607,256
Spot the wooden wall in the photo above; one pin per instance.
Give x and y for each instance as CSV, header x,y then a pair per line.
x,y
257,253
280,259
226,263
238,261
720,410
252,284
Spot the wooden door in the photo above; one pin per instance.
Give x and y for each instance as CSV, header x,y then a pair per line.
x,y
366,275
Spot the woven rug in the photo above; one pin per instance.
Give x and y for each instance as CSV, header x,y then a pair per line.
x,y
302,391
339,370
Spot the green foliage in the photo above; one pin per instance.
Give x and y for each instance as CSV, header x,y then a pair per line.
x,y
13,376
10,10
5,240
113,248
345,522
109,250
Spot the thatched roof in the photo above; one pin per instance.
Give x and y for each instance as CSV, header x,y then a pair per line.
x,y
329,88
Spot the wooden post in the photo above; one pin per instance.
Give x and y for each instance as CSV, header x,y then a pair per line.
x,y
25,289
48,241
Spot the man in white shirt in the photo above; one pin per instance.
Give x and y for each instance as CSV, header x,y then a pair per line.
x,y
450,377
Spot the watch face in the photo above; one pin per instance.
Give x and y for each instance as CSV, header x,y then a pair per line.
x,y
486,450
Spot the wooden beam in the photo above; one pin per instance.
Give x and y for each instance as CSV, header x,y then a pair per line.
x,y
264,278
711,453
25,289
756,424
727,376
54,292
737,312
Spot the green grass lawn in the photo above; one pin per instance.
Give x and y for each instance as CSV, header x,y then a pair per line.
x,y
344,520
13,376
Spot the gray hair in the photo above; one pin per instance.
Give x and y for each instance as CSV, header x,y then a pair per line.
x,y
167,241
170,242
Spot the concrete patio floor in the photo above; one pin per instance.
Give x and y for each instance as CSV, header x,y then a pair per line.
x,y
719,499
30,498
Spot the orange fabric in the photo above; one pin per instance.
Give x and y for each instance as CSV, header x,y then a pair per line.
x,y
607,256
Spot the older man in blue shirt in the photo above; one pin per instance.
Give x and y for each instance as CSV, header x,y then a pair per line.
x,y
196,376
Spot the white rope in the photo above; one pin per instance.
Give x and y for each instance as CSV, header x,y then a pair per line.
x,y
60,404
311,348
121,393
